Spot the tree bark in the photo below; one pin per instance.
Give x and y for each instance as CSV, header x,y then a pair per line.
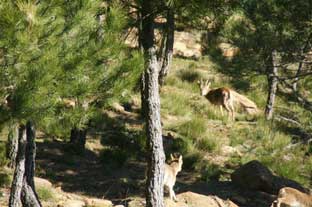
x,y
29,195
12,146
273,81
17,183
23,187
303,55
78,137
143,98
166,58
156,156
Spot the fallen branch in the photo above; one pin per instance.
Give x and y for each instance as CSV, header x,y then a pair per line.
x,y
280,118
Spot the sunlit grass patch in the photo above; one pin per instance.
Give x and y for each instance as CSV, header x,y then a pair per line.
x,y
45,194
175,104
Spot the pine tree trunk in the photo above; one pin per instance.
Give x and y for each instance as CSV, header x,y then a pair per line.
x,y
156,157
17,183
23,187
78,138
12,146
169,40
29,195
273,81
143,98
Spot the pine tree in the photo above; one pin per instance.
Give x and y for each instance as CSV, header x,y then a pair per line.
x,y
275,36
151,103
55,53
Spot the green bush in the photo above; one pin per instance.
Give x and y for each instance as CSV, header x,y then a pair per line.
x,y
189,75
192,160
210,172
182,145
207,144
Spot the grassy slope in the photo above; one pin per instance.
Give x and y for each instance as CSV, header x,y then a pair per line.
x,y
212,146
203,134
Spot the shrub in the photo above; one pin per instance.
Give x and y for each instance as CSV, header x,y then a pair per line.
x,y
182,145
189,75
210,172
192,160
207,144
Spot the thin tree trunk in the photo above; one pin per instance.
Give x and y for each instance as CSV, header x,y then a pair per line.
x,y
29,195
12,146
17,183
168,51
302,54
273,81
156,157
78,138
23,187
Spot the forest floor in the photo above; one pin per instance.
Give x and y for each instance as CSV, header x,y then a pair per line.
x,y
112,168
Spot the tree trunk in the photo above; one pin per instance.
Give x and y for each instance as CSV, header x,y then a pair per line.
x,y
273,81
166,58
156,157
12,146
143,98
23,187
17,183
29,195
78,138
302,58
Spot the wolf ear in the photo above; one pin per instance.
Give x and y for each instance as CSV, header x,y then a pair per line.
x,y
180,158
199,82
171,157
208,83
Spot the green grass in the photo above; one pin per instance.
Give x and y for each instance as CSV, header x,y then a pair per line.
x,y
5,179
201,129
194,128
45,194
208,144
3,159
174,103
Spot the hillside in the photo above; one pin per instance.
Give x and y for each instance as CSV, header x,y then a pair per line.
x,y
112,168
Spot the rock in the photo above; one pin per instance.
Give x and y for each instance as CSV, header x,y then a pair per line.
x,y
198,200
95,202
256,176
40,182
228,50
228,151
74,203
187,44
137,203
189,199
